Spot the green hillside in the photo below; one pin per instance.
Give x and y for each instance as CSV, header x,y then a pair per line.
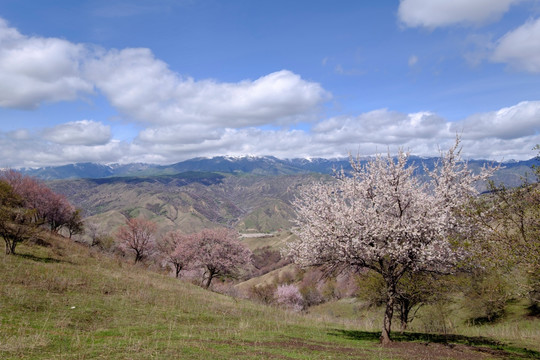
x,y
63,300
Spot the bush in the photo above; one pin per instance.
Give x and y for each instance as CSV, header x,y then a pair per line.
x,y
486,296
290,297
263,293
309,287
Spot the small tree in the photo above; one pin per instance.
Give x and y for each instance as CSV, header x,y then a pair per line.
x,y
47,206
177,249
510,218
137,236
384,218
219,253
16,222
75,224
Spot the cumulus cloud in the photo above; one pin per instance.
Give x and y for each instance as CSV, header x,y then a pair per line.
x,y
83,132
34,70
380,126
502,134
32,150
145,89
520,47
507,133
512,122
183,133
437,13
183,117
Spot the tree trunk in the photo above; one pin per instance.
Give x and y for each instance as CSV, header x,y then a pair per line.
x,y
405,308
209,280
177,268
388,314
138,256
10,246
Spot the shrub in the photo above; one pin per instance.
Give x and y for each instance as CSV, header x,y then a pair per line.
x,y
263,293
290,297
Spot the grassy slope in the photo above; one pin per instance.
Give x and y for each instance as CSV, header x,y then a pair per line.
x,y
65,301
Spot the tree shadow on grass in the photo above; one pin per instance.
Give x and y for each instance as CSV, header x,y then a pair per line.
x,y
40,259
437,338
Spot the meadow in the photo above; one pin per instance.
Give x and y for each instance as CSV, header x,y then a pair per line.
x,y
62,300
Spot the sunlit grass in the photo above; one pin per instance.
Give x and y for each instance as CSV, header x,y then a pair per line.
x,y
68,301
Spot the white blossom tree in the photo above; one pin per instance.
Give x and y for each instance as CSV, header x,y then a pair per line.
x,y
385,218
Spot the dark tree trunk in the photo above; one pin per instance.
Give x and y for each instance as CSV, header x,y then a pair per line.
x,y
10,246
211,274
177,269
389,313
404,311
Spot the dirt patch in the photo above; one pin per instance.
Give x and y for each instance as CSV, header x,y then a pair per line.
x,y
420,351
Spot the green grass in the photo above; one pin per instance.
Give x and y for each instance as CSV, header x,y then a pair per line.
x,y
66,301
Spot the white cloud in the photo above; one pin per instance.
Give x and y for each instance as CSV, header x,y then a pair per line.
x,y
34,151
436,13
184,117
380,126
185,134
520,47
502,134
83,132
145,89
506,133
512,122
35,69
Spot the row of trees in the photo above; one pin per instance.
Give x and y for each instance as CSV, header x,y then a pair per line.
x,y
218,252
27,204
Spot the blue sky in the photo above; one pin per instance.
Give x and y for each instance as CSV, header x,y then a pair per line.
x,y
162,81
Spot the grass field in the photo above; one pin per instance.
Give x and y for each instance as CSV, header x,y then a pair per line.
x,y
65,301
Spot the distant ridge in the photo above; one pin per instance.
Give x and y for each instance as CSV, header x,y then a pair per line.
x,y
255,165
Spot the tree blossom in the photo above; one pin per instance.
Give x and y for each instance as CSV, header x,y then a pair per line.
x,y
137,236
219,253
385,218
290,296
177,249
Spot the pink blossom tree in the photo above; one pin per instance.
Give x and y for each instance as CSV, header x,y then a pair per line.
x,y
48,207
137,236
290,297
16,222
177,249
384,218
219,253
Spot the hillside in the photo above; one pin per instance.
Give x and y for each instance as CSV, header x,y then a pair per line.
x,y
188,201
64,300
252,194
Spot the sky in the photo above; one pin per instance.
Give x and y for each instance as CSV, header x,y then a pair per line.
x,y
162,81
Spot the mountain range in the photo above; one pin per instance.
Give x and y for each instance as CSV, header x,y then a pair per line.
x,y
251,194
257,165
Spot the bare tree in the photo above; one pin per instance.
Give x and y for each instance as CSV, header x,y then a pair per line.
x,y
384,218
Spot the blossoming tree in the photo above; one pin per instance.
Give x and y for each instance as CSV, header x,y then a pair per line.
x,y
385,218
138,236
177,249
220,253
